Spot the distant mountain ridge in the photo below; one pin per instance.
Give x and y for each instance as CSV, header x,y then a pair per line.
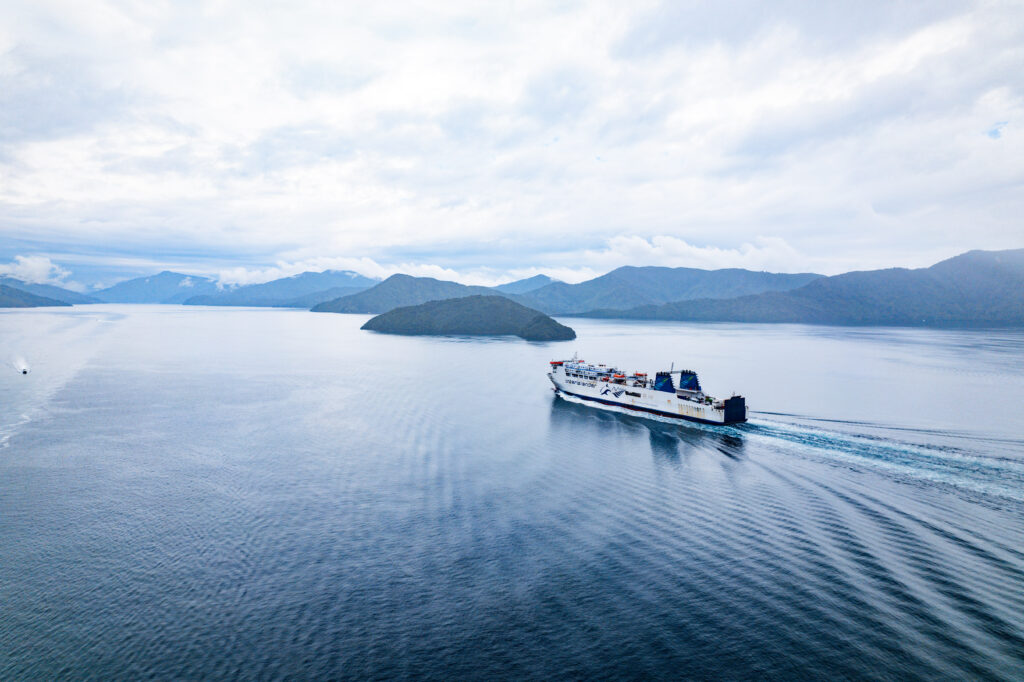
x,y
974,289
398,291
302,290
522,286
307,301
479,315
48,291
17,298
165,287
623,288
977,288
633,286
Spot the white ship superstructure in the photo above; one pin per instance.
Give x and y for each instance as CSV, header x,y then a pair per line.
x,y
662,396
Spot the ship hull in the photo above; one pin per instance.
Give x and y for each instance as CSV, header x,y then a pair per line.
x,y
644,401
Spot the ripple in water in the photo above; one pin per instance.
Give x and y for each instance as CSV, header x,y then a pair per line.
x,y
269,494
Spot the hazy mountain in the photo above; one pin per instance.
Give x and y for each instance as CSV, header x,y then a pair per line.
x,y
473,315
48,291
629,287
400,290
522,286
307,301
166,287
280,292
975,289
16,298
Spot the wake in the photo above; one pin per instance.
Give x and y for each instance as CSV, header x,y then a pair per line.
x,y
19,364
960,460
966,462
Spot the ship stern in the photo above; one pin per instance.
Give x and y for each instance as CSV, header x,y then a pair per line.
x,y
735,410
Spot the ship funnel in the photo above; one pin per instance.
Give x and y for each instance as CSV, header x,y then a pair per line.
x,y
688,381
663,382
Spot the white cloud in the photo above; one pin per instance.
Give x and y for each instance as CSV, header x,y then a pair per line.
x,y
38,270
487,140
766,253
364,266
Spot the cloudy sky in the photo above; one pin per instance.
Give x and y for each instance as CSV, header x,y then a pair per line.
x,y
485,141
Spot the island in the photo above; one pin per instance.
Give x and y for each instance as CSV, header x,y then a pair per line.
x,y
474,316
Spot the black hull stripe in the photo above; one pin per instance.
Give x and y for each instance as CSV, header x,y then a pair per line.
x,y
650,410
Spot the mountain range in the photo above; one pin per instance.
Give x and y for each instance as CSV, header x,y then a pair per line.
x,y
47,291
18,298
398,291
629,287
298,291
974,289
166,287
624,287
977,288
522,286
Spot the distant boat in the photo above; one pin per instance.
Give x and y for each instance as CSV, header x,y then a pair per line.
x,y
607,386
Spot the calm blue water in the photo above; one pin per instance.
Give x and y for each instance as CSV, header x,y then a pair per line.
x,y
246,493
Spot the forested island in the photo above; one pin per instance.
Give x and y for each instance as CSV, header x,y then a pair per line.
x,y
474,316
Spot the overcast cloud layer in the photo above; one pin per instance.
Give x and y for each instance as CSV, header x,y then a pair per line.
x,y
485,141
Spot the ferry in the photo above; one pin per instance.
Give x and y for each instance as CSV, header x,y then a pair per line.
x,y
662,396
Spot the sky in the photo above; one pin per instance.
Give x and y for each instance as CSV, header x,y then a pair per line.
x,y
484,142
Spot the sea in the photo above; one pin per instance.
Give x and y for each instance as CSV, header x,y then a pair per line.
x,y
243,493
